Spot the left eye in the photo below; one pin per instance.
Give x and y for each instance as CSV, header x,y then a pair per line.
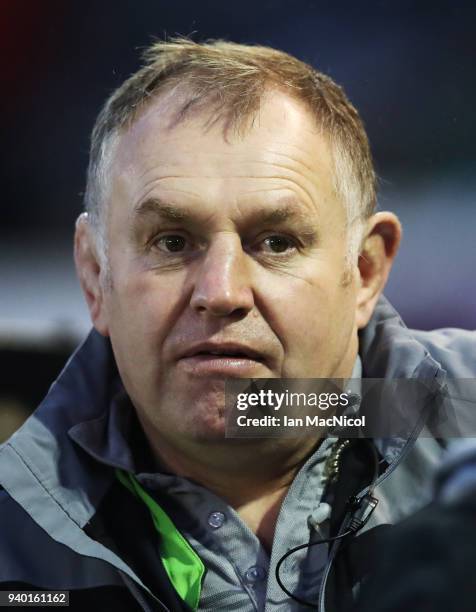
x,y
278,244
172,243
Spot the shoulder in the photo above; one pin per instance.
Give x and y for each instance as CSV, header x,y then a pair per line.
x,y
454,349
13,515
24,546
28,554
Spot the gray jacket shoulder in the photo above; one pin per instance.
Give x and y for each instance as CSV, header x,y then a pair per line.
x,y
454,349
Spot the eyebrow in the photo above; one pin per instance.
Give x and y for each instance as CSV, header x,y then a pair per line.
x,y
284,211
280,214
157,207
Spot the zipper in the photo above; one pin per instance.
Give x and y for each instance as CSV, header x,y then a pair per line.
x,y
345,523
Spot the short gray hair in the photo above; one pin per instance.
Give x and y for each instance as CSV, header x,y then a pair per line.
x,y
232,79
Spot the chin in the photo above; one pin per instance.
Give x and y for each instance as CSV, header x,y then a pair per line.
x,y
209,424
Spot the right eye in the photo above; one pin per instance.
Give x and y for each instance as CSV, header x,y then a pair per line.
x,y
171,243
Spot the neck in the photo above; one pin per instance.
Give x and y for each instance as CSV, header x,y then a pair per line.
x,y
253,477
241,470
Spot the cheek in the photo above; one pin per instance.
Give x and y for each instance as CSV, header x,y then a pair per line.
x,y
294,302
141,311
313,319
151,293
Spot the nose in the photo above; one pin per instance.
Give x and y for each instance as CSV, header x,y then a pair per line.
x,y
222,284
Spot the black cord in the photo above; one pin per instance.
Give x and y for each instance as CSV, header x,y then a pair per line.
x,y
295,549
363,508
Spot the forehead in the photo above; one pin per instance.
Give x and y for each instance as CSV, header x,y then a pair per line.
x,y
281,150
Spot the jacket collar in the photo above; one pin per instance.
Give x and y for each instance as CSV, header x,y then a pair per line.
x,y
389,349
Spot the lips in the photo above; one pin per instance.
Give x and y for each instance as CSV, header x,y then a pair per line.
x,y
222,360
224,350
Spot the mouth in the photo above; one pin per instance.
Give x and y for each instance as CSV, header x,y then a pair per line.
x,y
227,359
236,351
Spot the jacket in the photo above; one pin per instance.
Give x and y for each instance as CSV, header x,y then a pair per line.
x,y
61,528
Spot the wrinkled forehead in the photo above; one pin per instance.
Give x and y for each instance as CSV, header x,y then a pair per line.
x,y
166,132
282,157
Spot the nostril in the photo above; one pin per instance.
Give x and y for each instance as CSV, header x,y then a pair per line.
x,y
219,308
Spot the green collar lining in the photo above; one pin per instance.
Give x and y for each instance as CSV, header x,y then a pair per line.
x,y
183,566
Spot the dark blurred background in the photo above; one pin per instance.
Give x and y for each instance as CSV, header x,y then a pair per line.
x,y
407,66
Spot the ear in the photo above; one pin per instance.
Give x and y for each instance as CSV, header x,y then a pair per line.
x,y
90,274
382,239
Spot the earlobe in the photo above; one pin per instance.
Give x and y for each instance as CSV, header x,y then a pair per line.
x,y
88,267
380,246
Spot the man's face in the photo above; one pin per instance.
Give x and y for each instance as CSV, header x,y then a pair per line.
x,y
227,259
